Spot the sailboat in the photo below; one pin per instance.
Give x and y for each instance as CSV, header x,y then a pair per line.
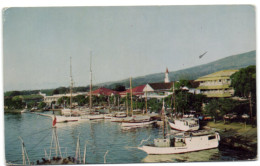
x,y
92,114
136,120
67,113
55,156
183,142
183,124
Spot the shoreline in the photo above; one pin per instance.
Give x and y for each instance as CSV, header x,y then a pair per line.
x,y
236,136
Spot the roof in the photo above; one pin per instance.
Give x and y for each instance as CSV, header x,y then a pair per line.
x,y
161,86
104,91
136,91
224,74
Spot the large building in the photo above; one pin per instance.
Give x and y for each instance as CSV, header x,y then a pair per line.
x,y
53,99
217,84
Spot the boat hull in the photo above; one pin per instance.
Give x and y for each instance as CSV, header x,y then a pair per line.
x,y
172,150
183,127
63,119
136,124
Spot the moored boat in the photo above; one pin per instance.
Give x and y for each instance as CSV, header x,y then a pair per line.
x,y
187,142
182,142
185,124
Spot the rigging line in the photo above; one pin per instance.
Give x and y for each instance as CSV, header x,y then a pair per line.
x,y
39,142
15,139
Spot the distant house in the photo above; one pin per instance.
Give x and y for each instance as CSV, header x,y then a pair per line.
x,y
137,91
158,90
104,91
217,84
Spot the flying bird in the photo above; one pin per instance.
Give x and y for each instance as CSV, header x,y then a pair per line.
x,y
203,54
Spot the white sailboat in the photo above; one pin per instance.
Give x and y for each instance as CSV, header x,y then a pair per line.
x,y
92,115
183,124
67,113
182,142
137,120
55,156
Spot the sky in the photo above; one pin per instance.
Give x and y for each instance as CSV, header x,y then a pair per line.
x,y
124,41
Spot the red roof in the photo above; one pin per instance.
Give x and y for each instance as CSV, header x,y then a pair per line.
x,y
104,91
136,91
167,70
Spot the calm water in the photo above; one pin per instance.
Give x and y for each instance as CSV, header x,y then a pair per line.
x,y
101,136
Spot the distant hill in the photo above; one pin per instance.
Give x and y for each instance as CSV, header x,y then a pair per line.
x,y
231,62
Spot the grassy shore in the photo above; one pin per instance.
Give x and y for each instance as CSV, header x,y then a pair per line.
x,y
237,128
236,135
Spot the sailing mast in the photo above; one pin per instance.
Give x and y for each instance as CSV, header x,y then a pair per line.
x,y
173,94
71,85
131,96
90,87
126,104
163,119
146,101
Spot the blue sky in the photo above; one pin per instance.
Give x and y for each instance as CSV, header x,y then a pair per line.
x,y
125,41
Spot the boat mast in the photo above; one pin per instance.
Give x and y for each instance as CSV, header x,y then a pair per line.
x,y
90,87
163,119
146,101
126,104
131,96
71,85
173,94
24,153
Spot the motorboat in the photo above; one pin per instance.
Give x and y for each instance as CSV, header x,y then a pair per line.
x,y
184,124
183,143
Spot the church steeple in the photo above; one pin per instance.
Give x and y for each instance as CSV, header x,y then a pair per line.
x,y
166,78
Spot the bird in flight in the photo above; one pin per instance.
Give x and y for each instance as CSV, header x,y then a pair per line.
x,y
203,54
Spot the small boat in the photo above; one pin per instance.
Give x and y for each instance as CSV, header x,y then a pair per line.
x,y
24,110
185,124
64,119
135,123
120,114
108,116
182,142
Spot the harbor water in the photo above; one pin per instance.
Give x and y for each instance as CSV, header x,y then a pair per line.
x,y
101,136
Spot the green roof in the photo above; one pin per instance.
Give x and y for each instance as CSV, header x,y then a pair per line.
x,y
223,74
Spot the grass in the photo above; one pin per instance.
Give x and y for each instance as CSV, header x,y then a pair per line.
x,y
239,128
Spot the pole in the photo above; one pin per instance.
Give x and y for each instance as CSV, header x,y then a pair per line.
x,y
90,87
71,85
146,101
174,106
131,96
126,105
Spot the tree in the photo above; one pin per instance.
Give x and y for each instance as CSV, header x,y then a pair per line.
x,y
244,84
212,109
182,83
64,99
41,105
244,81
80,99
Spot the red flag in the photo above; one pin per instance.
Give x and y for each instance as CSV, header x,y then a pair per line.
x,y
54,121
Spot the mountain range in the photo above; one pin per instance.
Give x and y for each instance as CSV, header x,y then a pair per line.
x,y
231,62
